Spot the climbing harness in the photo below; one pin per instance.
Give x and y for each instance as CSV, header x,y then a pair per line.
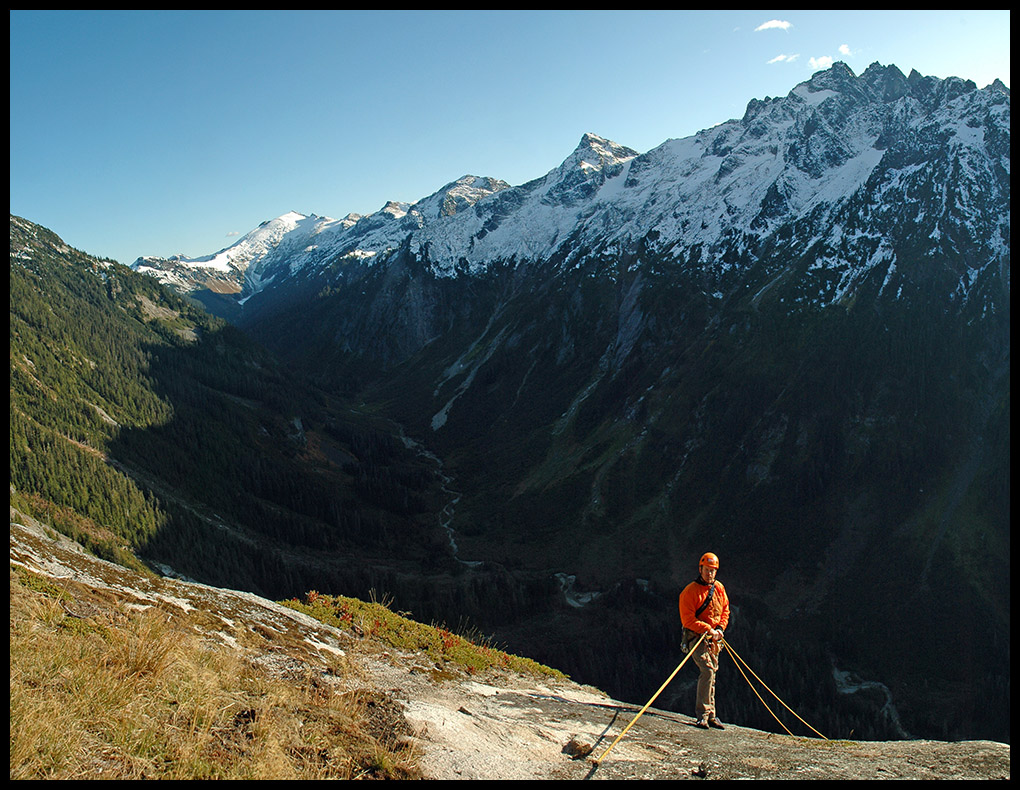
x,y
649,703
738,661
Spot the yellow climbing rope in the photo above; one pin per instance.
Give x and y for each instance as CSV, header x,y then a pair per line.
x,y
649,703
738,661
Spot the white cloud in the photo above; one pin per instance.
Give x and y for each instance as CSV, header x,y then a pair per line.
x,y
845,50
774,24
784,59
823,62
233,233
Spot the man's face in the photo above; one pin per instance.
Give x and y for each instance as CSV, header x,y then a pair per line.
x,y
708,574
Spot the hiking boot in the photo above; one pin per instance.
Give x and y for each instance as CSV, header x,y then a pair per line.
x,y
702,723
714,722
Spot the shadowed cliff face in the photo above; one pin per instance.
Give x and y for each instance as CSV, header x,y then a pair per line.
x,y
451,724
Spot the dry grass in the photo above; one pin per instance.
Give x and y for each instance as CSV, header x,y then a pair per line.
x,y
102,691
376,620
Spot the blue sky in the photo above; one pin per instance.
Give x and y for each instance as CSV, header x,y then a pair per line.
x,y
154,133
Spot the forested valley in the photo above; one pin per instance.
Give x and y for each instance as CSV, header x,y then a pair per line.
x,y
146,428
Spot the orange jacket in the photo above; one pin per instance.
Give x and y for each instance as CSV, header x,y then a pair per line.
x,y
716,614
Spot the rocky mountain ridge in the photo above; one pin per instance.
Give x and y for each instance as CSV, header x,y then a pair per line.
x,y
721,191
458,726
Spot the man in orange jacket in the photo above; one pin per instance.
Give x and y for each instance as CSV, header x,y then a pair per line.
x,y
705,609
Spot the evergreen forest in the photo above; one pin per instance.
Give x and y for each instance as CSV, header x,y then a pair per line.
x,y
144,427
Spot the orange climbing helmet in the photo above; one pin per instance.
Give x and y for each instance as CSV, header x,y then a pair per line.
x,y
709,559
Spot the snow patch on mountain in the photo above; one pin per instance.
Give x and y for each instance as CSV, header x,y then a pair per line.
x,y
813,150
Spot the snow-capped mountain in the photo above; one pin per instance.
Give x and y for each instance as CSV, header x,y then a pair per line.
x,y
815,152
294,242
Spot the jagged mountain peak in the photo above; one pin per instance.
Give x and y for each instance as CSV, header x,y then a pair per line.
x,y
459,195
877,83
839,76
880,84
997,86
395,208
599,152
886,83
595,157
582,174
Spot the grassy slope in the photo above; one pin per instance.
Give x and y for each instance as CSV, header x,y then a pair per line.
x,y
103,690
